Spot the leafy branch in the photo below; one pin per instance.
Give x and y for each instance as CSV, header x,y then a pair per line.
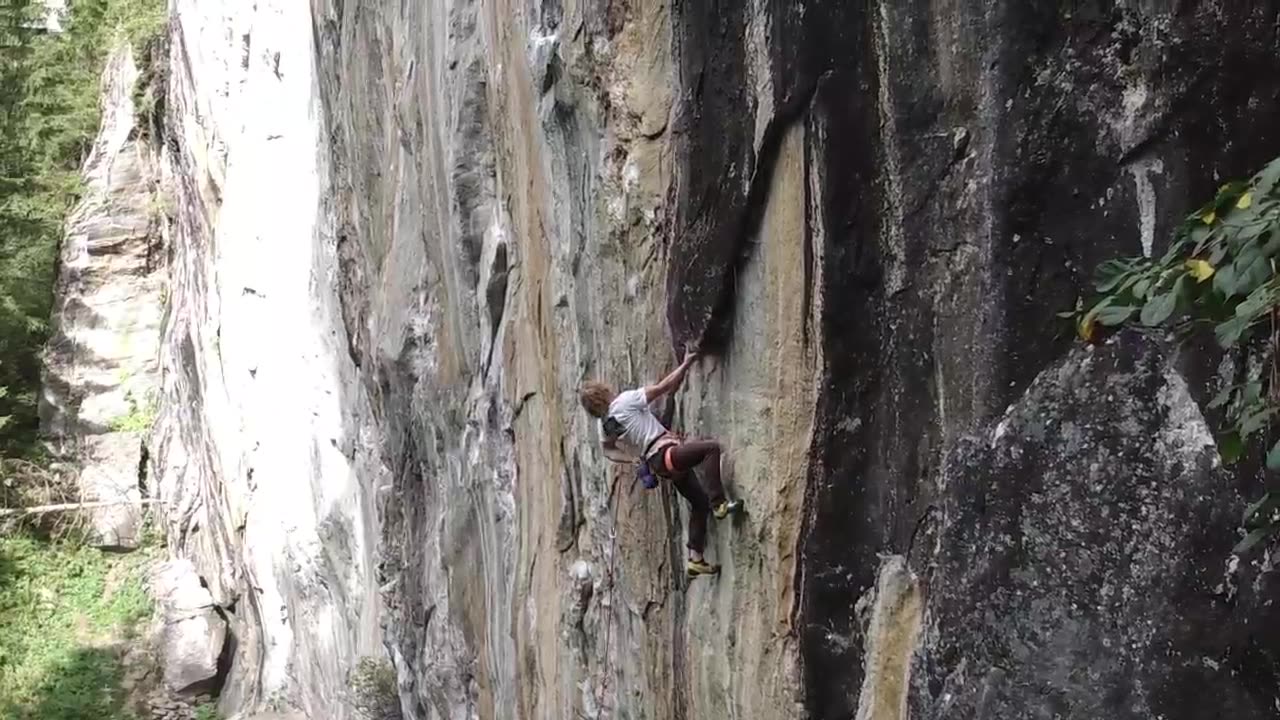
x,y
140,417
1219,272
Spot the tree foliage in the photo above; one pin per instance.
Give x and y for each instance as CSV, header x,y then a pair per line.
x,y
1219,273
376,692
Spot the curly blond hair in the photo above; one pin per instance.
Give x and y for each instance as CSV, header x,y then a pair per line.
x,y
595,397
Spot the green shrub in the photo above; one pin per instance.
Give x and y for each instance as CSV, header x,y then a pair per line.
x,y
376,694
1220,274
140,417
207,711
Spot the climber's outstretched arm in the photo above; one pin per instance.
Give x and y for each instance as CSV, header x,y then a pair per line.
x,y
672,381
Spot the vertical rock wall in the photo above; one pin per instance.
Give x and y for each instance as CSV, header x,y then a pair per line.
x,y
256,446
1001,176
101,367
407,232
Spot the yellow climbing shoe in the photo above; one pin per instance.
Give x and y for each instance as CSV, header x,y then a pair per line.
x,y
701,567
724,509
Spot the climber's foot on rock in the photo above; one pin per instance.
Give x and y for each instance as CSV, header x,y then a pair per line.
x,y
697,567
727,508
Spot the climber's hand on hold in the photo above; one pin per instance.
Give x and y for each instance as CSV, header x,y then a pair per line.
x,y
672,381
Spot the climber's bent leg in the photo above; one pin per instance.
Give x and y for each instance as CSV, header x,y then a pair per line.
x,y
686,456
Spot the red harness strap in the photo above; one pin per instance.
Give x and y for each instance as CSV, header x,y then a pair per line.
x,y
670,441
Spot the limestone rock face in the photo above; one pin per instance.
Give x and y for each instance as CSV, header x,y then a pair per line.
x,y
101,369
406,232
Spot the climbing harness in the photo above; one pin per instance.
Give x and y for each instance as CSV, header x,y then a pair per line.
x,y
647,478
644,474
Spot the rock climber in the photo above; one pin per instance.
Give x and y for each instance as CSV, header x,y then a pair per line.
x,y
634,432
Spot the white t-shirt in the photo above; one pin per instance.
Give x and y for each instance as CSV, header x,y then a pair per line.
x,y
639,425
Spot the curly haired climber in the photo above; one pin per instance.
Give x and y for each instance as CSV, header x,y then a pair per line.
x,y
631,428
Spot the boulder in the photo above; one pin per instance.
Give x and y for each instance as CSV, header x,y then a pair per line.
x,y
1083,564
110,474
193,632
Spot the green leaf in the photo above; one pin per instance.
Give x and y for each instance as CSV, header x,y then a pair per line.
x,y
1272,245
1221,398
1174,252
1215,256
1160,307
1264,506
1115,314
1266,178
1068,314
1111,273
1228,196
1199,234
1199,269
1274,458
1230,447
1256,305
1229,332
1140,288
1252,276
1255,228
1256,421
1224,281
1253,538
1252,392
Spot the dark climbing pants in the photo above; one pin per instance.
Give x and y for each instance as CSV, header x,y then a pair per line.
x,y
685,457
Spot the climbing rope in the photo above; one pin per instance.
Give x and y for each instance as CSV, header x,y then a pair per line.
x,y
613,559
